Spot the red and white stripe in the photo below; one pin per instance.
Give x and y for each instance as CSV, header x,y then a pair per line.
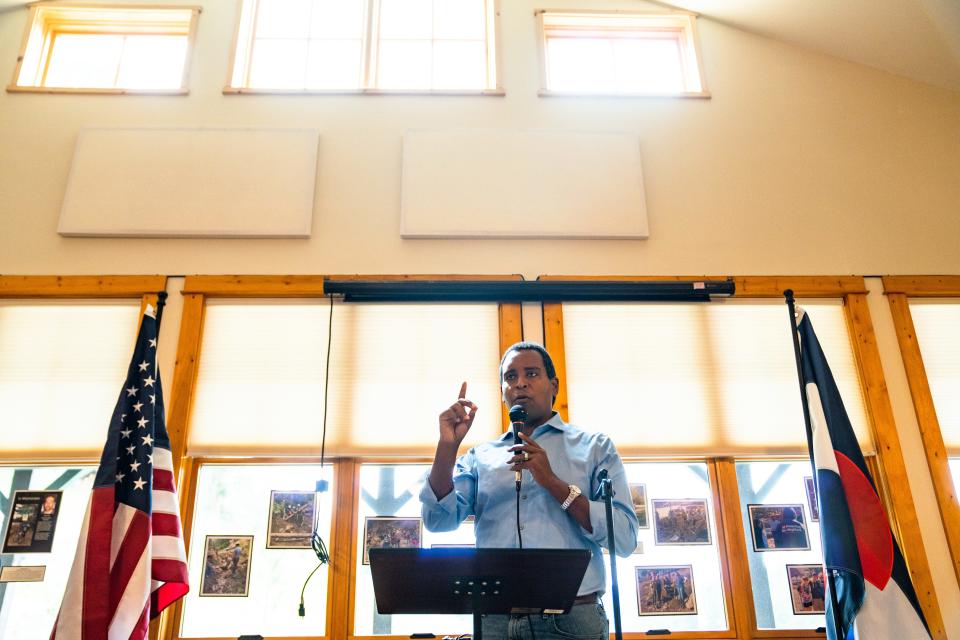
x,y
129,565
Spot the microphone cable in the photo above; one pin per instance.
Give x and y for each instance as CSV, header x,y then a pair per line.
x,y
316,542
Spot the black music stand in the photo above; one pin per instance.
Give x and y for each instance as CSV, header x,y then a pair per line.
x,y
477,581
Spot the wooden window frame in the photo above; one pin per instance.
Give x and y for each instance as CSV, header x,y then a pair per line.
x,y
682,22
368,63
899,290
38,25
891,476
341,588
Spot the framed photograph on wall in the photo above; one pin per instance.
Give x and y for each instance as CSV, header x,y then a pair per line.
x,y
807,588
391,533
226,566
778,527
638,494
681,522
812,499
292,515
32,521
666,590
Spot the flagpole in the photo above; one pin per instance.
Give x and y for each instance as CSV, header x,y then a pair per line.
x,y
788,296
161,303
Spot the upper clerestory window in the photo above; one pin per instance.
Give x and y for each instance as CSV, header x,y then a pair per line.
x,y
97,48
305,46
614,53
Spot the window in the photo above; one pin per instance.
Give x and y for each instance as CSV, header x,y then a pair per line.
x,y
28,609
620,53
260,387
61,365
337,45
256,505
703,379
936,322
110,49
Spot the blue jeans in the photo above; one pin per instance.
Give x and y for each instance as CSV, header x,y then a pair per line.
x,y
584,622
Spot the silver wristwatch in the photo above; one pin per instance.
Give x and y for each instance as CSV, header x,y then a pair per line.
x,y
574,492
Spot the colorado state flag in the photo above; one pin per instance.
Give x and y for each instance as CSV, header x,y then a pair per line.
x,y
873,590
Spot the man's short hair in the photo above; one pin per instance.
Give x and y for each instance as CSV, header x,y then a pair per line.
x,y
548,367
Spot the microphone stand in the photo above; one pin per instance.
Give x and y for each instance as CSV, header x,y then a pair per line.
x,y
605,492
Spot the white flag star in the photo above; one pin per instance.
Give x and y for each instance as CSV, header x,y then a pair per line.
x,y
138,483
150,458
130,449
123,417
126,432
148,381
153,399
120,477
143,365
142,422
135,466
147,440
137,406
132,391
153,342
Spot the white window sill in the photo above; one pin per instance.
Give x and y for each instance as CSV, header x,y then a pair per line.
x,y
94,90
370,92
548,93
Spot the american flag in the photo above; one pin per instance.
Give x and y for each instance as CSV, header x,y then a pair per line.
x,y
130,562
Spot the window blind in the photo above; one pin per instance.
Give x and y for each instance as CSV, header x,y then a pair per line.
x,y
704,379
937,323
61,368
393,369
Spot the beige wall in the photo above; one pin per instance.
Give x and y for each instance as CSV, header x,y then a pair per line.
x,y
798,164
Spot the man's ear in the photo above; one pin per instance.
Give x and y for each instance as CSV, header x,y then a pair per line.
x,y
555,384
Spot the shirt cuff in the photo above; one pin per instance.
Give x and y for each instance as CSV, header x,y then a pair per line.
x,y
428,498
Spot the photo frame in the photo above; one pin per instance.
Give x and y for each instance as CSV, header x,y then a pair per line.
x,y
226,566
638,495
291,519
666,590
807,584
778,527
812,498
391,533
681,522
32,521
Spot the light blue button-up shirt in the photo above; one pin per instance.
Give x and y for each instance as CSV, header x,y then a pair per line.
x,y
484,487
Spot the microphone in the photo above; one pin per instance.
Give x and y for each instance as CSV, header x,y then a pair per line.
x,y
518,416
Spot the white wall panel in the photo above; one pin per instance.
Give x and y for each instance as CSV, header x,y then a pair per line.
x,y
191,182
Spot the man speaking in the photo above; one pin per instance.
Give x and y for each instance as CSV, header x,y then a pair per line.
x,y
558,465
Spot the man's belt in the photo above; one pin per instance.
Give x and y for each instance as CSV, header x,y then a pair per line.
x,y
590,598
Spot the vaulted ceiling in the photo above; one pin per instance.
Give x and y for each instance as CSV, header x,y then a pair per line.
x,y
918,39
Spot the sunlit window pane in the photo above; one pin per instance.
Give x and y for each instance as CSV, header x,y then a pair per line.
x,y
61,367
278,64
936,322
671,544
153,62
786,594
334,64
84,61
338,19
648,65
405,64
580,64
459,65
235,500
620,53
283,18
392,490
955,472
459,19
406,19
28,609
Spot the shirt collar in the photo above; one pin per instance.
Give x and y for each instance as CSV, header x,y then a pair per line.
x,y
555,422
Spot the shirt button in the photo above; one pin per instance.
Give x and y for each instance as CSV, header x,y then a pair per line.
x,y
524,497
522,527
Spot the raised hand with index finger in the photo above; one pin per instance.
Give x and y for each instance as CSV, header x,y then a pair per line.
x,y
455,422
